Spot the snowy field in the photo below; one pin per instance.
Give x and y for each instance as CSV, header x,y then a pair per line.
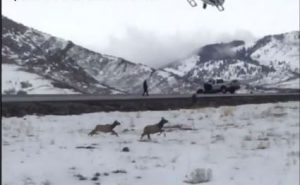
x,y
242,145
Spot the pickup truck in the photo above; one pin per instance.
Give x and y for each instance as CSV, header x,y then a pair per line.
x,y
219,85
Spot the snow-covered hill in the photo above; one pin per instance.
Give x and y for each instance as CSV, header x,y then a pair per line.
x,y
278,51
268,61
16,81
78,68
42,54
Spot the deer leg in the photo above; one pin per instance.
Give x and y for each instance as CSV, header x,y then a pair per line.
x,y
163,131
114,133
149,136
92,132
142,135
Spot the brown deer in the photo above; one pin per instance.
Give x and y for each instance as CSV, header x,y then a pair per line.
x,y
152,129
105,128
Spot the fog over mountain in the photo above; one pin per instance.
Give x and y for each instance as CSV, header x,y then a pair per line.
x,y
153,32
148,48
65,67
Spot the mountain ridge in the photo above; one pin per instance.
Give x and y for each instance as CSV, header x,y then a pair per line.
x,y
244,61
84,70
67,64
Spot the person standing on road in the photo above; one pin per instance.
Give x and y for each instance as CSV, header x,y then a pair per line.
x,y
145,85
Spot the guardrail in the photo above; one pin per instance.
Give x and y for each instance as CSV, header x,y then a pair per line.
x,y
78,104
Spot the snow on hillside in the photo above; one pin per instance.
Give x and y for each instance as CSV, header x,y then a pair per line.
x,y
279,50
82,69
225,69
275,80
15,80
184,66
247,144
294,84
163,82
269,61
88,72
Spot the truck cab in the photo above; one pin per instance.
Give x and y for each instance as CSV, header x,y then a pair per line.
x,y
219,85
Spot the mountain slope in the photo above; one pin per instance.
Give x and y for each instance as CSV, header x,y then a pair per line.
x,y
17,81
42,54
278,50
270,60
82,70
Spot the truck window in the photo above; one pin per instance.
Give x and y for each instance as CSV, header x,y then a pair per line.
x,y
211,81
219,81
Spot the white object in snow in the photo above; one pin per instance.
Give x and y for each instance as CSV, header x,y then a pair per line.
x,y
199,175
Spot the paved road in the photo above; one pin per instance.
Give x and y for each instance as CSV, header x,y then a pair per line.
x,y
78,104
57,98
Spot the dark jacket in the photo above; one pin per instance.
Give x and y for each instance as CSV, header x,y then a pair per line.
x,y
145,85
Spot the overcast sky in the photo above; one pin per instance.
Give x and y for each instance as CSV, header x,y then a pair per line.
x,y
153,32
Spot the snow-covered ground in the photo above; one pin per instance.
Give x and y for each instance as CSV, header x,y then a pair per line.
x,y
14,80
242,145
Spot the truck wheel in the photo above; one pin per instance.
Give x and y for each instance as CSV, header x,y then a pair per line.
x,y
232,91
200,91
223,90
207,87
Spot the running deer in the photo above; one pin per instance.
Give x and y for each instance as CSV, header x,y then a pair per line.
x,y
105,128
152,129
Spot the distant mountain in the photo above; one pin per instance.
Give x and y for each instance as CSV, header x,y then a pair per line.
x,y
270,61
68,65
53,65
